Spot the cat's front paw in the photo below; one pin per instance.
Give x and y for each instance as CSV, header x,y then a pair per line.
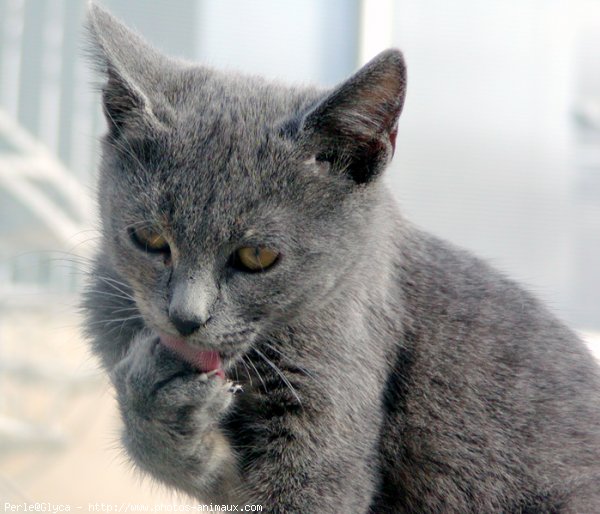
x,y
169,409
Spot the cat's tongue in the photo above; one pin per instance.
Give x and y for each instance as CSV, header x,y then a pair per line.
x,y
203,360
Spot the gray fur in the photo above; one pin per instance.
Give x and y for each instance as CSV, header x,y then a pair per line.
x,y
383,370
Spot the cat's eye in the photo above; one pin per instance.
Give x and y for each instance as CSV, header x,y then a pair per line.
x,y
149,240
254,258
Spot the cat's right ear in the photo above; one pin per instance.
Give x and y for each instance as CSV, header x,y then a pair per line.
x,y
131,68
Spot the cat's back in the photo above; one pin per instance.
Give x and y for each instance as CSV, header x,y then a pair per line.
x,y
491,397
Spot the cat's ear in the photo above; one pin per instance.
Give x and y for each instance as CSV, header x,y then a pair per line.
x,y
132,70
354,128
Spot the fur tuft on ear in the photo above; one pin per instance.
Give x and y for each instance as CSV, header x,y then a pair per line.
x,y
132,69
355,127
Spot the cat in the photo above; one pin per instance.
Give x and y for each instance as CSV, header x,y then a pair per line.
x,y
277,333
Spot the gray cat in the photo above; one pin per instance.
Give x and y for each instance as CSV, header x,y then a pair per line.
x,y
278,334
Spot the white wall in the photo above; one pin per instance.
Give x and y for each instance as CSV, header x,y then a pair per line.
x,y
486,153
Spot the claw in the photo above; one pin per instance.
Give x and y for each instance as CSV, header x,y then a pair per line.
x,y
234,388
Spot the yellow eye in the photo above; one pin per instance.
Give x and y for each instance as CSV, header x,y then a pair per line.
x,y
255,258
149,240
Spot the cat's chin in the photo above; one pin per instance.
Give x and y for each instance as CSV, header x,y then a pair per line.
x,y
205,361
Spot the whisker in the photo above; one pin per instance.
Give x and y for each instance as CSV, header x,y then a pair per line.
x,y
300,368
113,281
243,361
280,373
126,309
110,321
120,327
115,285
107,293
258,374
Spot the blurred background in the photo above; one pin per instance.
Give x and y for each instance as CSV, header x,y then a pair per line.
x,y
498,150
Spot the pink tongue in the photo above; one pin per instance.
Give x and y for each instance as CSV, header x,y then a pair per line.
x,y
203,360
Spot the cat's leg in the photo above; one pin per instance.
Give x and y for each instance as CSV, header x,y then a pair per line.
x,y
171,414
300,459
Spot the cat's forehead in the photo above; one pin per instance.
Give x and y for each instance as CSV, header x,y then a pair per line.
x,y
237,104
225,121
218,148
225,139
220,171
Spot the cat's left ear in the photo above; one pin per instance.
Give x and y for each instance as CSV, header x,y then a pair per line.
x,y
354,128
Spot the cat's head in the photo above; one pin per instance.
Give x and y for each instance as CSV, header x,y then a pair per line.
x,y
230,204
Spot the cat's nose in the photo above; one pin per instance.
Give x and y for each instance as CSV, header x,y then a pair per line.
x,y
184,325
190,305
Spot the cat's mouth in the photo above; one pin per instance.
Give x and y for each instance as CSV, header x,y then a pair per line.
x,y
205,361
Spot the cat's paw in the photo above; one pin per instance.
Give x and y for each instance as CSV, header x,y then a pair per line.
x,y
169,409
